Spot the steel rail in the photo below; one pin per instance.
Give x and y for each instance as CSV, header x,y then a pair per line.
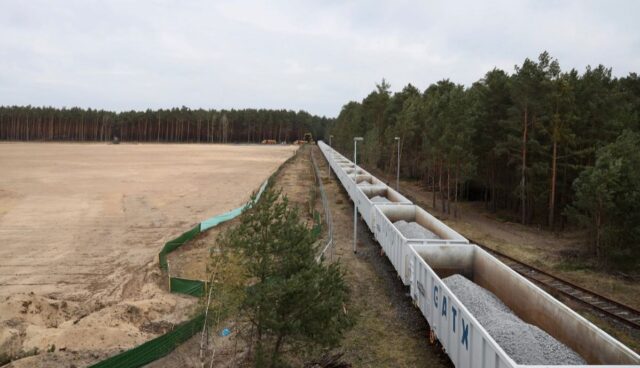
x,y
603,304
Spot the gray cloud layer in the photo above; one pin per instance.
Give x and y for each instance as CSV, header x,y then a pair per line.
x,y
315,56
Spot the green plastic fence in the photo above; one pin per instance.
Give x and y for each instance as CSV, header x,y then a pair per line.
x,y
186,286
219,219
317,227
205,225
154,349
173,244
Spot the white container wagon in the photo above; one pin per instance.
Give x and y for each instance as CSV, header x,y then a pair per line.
x,y
334,158
338,165
396,245
349,169
340,171
467,342
363,196
346,178
363,180
422,263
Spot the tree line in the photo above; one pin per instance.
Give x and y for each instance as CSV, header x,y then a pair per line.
x,y
28,123
517,141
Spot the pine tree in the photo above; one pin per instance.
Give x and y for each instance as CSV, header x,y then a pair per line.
x,y
294,301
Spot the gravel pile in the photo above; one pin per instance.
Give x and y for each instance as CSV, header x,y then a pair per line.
x,y
365,184
524,343
380,199
412,230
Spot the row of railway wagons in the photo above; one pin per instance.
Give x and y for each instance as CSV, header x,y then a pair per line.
x,y
422,262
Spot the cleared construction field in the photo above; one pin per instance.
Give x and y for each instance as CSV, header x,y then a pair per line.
x,y
80,229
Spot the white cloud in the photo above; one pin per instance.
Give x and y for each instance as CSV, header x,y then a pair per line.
x,y
300,54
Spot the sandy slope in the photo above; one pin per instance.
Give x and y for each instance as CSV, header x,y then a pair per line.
x,y
80,228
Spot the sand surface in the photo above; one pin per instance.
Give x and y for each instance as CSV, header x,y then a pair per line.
x,y
81,226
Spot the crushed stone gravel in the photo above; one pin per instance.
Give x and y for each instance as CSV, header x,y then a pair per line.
x,y
523,342
413,230
366,184
380,199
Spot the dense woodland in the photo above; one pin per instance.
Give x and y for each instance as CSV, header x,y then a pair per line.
x,y
27,123
526,143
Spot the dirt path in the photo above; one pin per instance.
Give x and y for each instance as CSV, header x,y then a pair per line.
x,y
81,226
390,331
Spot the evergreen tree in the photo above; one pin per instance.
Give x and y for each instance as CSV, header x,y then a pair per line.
x,y
608,201
293,301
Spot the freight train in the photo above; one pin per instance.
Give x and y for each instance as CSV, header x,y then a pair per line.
x,y
482,312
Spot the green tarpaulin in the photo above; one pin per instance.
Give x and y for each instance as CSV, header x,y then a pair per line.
x,y
171,245
154,349
185,286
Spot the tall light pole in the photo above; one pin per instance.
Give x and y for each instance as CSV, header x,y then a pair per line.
x,y
355,179
398,173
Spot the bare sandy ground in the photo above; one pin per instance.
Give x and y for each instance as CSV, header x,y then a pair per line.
x,y
80,229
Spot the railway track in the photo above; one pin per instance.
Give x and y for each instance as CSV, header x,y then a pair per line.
x,y
597,302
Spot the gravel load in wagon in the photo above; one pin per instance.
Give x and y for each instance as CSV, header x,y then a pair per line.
x,y
413,230
380,199
524,343
367,184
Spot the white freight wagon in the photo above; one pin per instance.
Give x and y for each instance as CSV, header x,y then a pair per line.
x,y
347,178
334,158
343,168
422,263
338,167
364,180
467,342
383,194
349,169
396,245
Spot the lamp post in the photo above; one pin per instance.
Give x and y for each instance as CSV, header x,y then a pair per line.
x,y
355,179
398,173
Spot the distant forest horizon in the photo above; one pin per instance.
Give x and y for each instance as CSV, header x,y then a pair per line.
x,y
552,147
184,125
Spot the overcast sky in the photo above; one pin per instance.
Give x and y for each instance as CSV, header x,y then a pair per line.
x,y
315,56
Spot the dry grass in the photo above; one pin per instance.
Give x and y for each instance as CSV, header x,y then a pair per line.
x,y
389,331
